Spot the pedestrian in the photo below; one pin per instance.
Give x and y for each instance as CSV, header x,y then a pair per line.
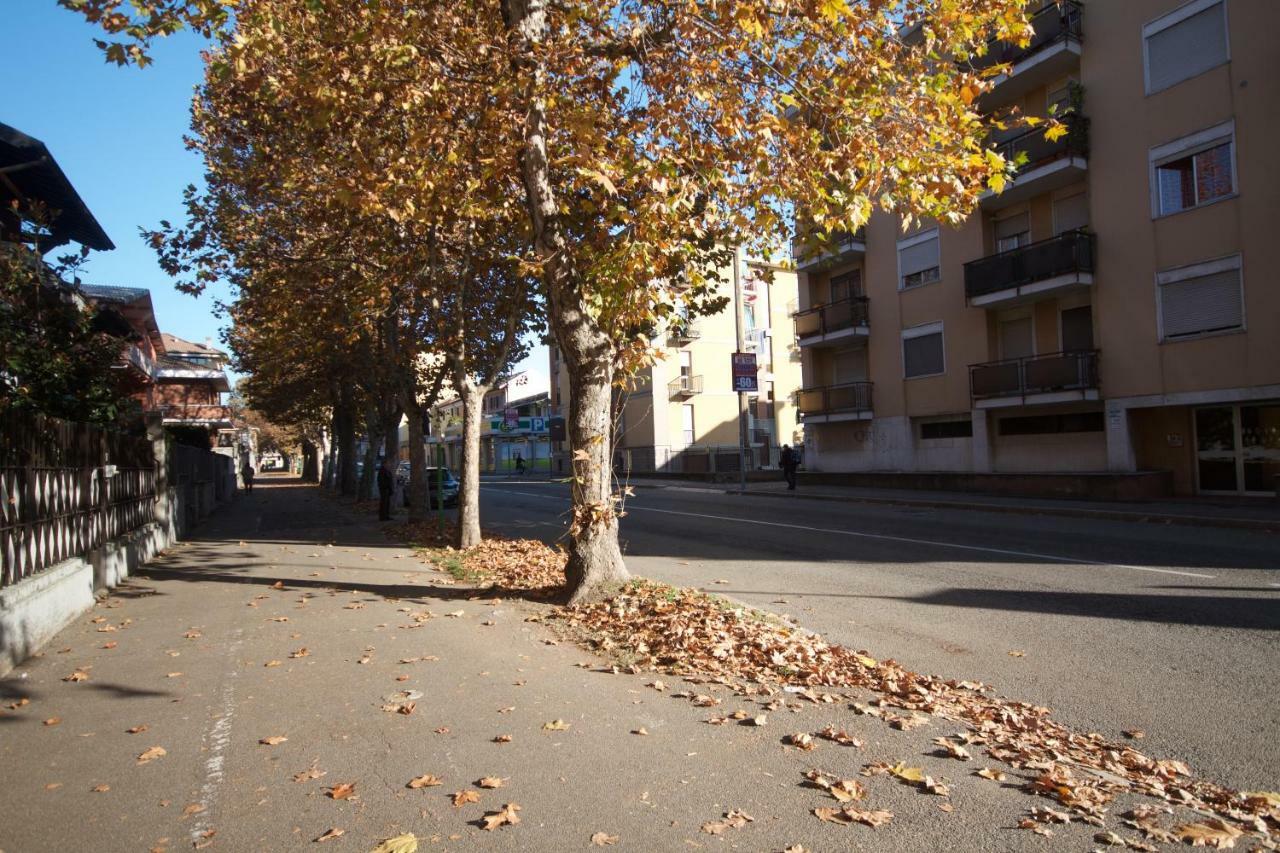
x,y
386,483
246,474
789,460
519,464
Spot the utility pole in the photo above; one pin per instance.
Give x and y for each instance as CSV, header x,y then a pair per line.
x,y
741,342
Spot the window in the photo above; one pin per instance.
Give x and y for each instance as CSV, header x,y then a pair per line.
x,y
922,351
1012,232
1049,424
946,429
686,364
846,285
1192,171
918,259
686,422
1077,328
1184,43
1201,299
1070,213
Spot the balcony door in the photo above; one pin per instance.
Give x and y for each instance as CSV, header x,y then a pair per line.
x,y
1238,449
848,365
1012,232
1077,329
1017,338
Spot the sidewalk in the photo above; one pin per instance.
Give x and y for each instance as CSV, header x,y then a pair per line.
x,y
228,698
1257,514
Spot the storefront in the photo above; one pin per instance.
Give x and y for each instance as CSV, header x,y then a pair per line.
x,y
1238,449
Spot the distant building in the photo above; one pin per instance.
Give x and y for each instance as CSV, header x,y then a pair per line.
x,y
514,420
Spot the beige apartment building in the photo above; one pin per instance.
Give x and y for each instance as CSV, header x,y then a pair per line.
x,y
1115,309
682,414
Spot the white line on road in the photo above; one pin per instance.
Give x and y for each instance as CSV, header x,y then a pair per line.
x,y
216,741
887,538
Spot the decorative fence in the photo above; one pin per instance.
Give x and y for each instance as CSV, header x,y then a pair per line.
x,y
67,488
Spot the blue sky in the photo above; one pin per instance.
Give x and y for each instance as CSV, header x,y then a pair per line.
x,y
117,134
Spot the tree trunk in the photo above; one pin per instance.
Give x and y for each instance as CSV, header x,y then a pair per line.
x,y
469,493
345,425
309,470
373,443
595,568
419,508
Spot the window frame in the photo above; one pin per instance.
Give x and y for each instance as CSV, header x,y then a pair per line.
x,y
920,331
1172,19
1189,146
1199,270
934,233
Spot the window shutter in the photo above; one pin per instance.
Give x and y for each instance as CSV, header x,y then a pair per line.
x,y
1070,213
1189,47
922,355
1209,303
1012,226
921,256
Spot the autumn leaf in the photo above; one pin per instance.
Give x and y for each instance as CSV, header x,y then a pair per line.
x,y
407,843
341,791
502,739
491,782
506,817
273,740
308,775
908,774
1209,833
300,653
272,663
801,740
53,721
152,754
100,789
78,675
555,726
425,781
988,773
640,731
332,834
850,815
603,839
953,749
461,798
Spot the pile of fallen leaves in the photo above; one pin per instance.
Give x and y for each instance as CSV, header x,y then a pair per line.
x,y
518,564
657,627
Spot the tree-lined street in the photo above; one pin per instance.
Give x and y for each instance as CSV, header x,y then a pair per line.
x,y
1116,626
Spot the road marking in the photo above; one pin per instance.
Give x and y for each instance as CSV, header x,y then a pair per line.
x,y
216,741
887,538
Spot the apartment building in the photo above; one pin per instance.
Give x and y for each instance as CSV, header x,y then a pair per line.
x,y
1114,309
513,422
681,414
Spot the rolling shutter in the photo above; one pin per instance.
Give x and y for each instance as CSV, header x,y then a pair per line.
x,y
1210,303
918,257
1189,47
922,355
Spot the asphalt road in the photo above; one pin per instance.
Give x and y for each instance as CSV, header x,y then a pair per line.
x,y
1116,626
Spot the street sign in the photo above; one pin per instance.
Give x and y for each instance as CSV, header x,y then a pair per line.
x,y
510,419
556,428
537,424
744,372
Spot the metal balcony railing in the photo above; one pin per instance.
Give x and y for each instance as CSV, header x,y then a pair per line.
x,y
1040,150
840,240
1037,374
684,332
1056,22
1069,252
835,399
832,317
685,386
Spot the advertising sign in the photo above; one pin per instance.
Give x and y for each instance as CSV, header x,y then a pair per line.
x,y
744,372
510,420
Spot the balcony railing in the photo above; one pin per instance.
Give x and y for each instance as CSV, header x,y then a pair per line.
x,y
1056,22
685,386
685,332
832,317
835,399
1037,374
1040,150
196,412
1068,253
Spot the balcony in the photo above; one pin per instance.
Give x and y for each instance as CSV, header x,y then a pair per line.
x,y
1047,268
833,323
848,401
684,332
1049,165
196,414
684,387
1053,52
1055,378
842,247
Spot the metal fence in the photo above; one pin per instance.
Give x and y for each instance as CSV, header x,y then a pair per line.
x,y
67,488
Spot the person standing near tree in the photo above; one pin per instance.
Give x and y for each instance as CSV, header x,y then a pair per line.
x,y
246,474
386,484
789,460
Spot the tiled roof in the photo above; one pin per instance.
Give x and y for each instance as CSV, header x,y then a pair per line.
x,y
175,344
117,295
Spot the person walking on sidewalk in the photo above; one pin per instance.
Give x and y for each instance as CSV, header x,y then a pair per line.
x,y
386,484
789,460
520,470
246,474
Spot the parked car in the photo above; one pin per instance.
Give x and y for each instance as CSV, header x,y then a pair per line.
x,y
449,490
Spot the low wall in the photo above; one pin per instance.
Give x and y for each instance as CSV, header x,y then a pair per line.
x,y
1135,486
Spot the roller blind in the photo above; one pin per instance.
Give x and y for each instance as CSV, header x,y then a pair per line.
x,y
1189,47
922,355
1012,226
921,256
1210,303
1070,213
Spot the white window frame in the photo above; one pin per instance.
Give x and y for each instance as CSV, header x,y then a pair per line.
x,y
1177,16
919,332
1198,270
1189,146
907,243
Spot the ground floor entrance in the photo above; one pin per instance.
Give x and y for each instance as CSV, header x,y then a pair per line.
x,y
1238,448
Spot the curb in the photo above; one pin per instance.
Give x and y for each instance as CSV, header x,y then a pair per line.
x,y
1260,525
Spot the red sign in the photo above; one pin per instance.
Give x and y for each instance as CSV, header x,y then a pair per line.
x,y
744,372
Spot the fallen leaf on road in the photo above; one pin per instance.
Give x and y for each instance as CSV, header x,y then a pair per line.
x,y
174,675
840,736
407,708
425,781
603,839
801,740
53,786
1017,654
849,815
278,585
442,730
332,834
53,721
273,740
759,719
507,817
555,726
364,660
152,754
192,808
272,663
721,580
491,782
192,634
953,749
461,798
1209,833
988,773
640,731
1135,734
657,685
78,675
300,653
110,645
457,614
735,819
407,843
100,789
502,739
280,619
308,775
341,791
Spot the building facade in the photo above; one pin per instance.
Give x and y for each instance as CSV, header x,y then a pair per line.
x,y
681,414
1114,309
514,422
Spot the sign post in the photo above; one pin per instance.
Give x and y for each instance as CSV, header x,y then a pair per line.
x,y
745,381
